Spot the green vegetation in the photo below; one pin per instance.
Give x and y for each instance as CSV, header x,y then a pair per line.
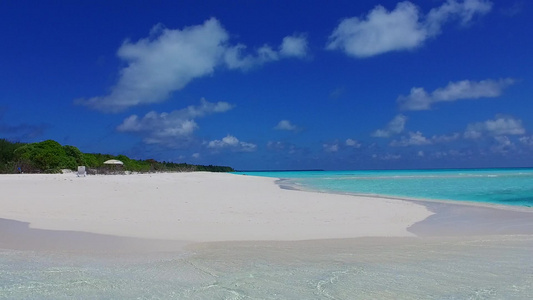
x,y
50,157
7,156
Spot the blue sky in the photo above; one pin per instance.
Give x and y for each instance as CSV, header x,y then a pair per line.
x,y
274,84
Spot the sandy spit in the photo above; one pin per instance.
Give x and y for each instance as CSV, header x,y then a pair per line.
x,y
199,207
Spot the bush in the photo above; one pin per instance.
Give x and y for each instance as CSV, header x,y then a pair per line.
x,y
50,157
75,154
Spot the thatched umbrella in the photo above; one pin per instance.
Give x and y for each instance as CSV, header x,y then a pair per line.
x,y
113,163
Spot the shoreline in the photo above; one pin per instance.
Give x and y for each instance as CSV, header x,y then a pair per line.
x,y
237,207
519,208
456,218
197,207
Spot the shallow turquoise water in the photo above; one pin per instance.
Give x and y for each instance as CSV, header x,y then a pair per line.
x,y
501,186
488,268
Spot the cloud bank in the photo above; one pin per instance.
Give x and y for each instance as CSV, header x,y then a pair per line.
x,y
169,59
171,129
403,28
418,139
414,139
419,99
501,125
232,143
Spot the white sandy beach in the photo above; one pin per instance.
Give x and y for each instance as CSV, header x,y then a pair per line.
x,y
198,207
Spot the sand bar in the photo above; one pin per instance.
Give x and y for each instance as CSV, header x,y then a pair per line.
x,y
198,207
116,212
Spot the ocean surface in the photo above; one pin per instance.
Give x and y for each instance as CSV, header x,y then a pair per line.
x,y
498,186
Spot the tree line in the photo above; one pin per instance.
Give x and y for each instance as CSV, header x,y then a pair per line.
x,y
51,157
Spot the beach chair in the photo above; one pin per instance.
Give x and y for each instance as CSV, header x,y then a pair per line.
x,y
82,171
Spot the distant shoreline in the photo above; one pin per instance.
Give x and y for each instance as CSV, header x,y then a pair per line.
x,y
363,170
273,171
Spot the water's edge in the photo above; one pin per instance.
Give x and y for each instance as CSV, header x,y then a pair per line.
x,y
454,217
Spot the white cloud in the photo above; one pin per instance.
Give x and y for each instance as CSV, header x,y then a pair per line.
x,y
291,46
294,46
387,156
231,142
451,153
504,125
235,58
286,125
352,143
331,147
403,28
526,140
418,139
169,59
414,139
380,32
464,11
445,138
169,128
472,133
276,145
285,147
501,125
336,146
419,99
395,126
195,155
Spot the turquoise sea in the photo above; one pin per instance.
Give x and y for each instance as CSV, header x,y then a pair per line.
x,y
499,186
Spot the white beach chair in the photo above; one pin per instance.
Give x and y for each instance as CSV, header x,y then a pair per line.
x,y
81,171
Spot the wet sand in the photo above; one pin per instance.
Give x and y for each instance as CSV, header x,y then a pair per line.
x,y
467,219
